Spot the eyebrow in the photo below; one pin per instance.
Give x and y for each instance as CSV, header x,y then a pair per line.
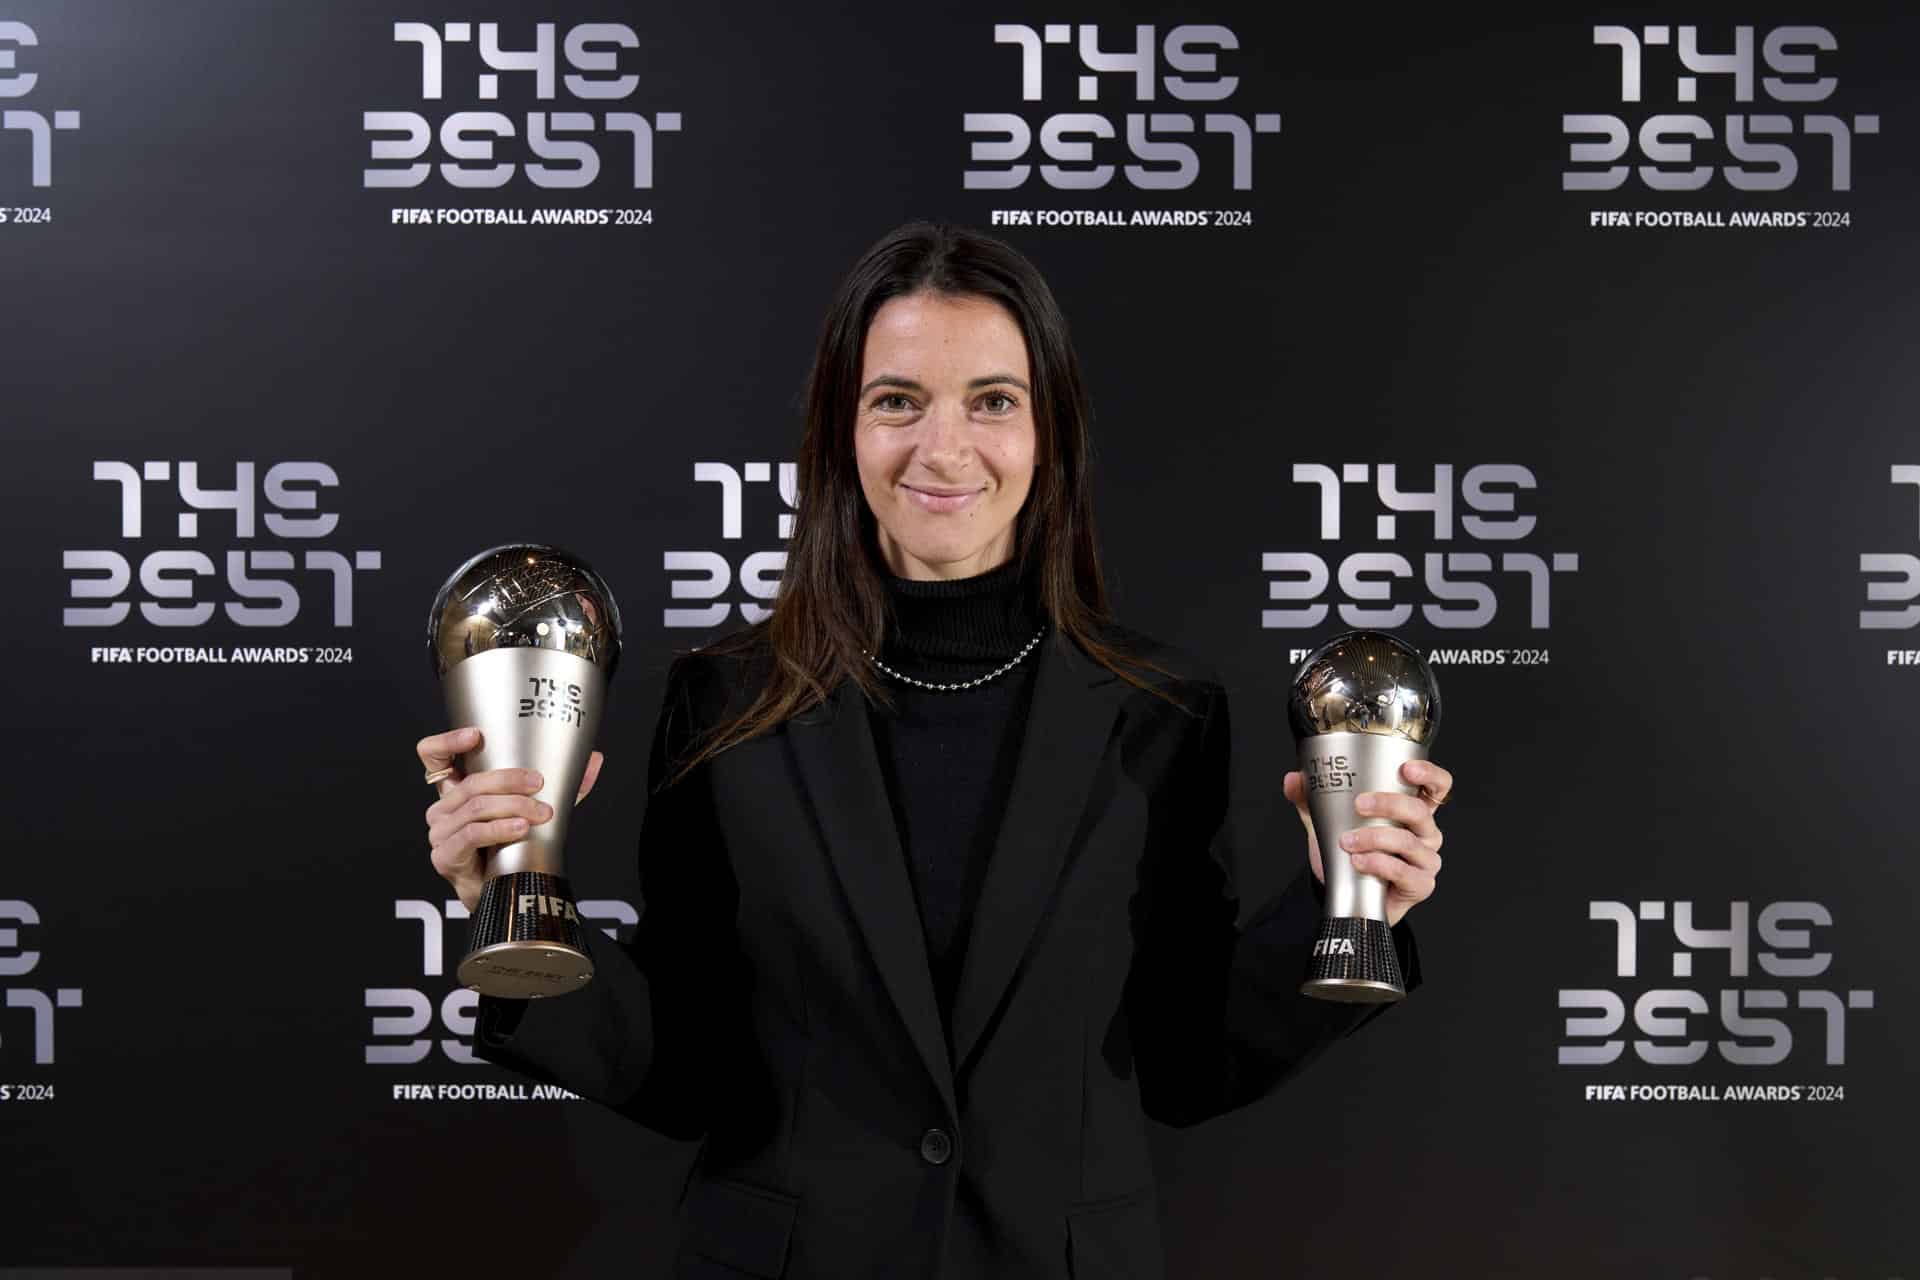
x,y
892,380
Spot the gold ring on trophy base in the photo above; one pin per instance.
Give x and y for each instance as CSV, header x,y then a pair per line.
x,y
1351,990
526,970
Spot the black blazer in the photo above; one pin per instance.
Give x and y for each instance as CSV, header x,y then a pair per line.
x,y
776,997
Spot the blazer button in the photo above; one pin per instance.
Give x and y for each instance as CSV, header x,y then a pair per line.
x,y
935,1146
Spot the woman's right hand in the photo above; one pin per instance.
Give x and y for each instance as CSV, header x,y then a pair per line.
x,y
480,812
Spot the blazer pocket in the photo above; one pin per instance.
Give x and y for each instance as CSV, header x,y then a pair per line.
x,y
734,1228
1116,1239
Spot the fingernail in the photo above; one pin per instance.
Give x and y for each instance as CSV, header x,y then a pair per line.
x,y
544,809
1349,840
1364,804
534,779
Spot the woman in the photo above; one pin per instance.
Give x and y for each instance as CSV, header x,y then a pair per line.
x,y
935,895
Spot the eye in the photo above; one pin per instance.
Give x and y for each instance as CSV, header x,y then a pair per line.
x,y
1007,404
892,402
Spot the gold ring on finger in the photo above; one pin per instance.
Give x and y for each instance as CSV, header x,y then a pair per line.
x,y
438,775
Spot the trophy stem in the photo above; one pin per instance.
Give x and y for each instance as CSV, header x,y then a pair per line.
x,y
527,939
1354,961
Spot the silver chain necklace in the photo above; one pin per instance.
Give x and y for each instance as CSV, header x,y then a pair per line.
x,y
955,687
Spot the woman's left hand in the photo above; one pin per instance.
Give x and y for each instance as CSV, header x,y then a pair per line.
x,y
1407,856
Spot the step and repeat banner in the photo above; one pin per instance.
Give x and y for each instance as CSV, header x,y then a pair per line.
x,y
1578,352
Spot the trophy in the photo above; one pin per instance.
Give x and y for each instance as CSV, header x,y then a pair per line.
x,y
525,638
1362,705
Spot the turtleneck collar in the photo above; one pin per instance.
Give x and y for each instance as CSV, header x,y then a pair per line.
x,y
960,625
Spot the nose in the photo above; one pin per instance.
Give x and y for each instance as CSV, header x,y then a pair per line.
x,y
945,444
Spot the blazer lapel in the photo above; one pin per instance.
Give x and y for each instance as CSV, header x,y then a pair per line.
x,y
841,768
1075,701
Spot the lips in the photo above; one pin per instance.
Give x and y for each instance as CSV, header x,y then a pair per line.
x,y
941,500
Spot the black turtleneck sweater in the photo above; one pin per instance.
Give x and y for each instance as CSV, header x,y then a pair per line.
x,y
948,757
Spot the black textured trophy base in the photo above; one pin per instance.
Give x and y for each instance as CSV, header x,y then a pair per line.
x,y
1354,961
527,940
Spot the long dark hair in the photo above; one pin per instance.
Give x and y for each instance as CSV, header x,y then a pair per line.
x,y
832,602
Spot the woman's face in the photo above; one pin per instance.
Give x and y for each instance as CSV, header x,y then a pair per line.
x,y
944,433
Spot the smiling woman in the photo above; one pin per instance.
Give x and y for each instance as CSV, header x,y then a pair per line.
x,y
946,436
936,913
945,449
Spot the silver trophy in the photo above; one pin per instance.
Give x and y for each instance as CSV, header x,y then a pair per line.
x,y
1362,705
525,638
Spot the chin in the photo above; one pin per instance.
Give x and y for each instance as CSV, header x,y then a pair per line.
x,y
942,555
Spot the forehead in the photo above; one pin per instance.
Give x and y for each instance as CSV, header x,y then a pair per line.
x,y
933,333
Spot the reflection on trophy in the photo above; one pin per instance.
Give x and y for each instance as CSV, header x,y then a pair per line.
x,y
1362,705
525,638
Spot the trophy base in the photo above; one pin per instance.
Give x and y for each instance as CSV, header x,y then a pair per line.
x,y
1354,962
527,941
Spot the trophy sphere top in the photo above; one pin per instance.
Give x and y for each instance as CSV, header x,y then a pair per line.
x,y
1365,682
524,595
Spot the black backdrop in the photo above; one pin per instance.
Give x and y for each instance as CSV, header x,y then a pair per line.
x,y
1684,688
